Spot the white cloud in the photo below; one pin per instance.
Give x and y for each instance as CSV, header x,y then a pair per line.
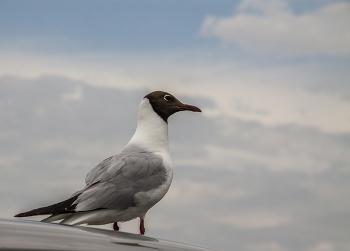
x,y
254,220
327,192
278,150
188,192
266,246
271,95
75,95
270,26
322,246
285,160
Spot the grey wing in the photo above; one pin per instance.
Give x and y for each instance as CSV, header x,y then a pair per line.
x,y
107,167
114,185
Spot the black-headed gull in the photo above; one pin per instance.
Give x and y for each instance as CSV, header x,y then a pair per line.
x,y
125,186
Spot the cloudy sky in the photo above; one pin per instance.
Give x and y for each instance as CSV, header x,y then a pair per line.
x,y
266,166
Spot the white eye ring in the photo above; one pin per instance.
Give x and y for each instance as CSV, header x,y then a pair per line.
x,y
167,97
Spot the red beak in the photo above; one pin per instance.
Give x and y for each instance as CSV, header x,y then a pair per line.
x,y
191,108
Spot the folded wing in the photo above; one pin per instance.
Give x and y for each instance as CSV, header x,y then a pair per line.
x,y
112,184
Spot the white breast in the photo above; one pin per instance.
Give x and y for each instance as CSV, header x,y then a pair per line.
x,y
152,135
152,131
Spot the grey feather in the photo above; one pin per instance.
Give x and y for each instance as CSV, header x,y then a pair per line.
x,y
113,183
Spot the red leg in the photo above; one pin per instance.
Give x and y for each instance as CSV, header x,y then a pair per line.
x,y
115,226
142,227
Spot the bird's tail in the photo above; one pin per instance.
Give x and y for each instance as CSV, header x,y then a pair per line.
x,y
65,206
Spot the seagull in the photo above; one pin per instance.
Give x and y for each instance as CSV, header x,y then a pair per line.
x,y
125,186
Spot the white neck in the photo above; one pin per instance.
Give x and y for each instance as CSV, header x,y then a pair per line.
x,y
152,131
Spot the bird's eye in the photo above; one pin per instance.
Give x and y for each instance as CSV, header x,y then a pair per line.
x,y
167,97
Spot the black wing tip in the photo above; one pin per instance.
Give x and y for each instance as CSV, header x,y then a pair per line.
x,y
20,215
60,207
30,213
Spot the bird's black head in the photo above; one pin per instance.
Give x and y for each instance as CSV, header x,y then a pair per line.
x,y
165,104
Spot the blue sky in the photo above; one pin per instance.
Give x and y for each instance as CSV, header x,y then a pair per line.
x,y
118,25
266,162
110,25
